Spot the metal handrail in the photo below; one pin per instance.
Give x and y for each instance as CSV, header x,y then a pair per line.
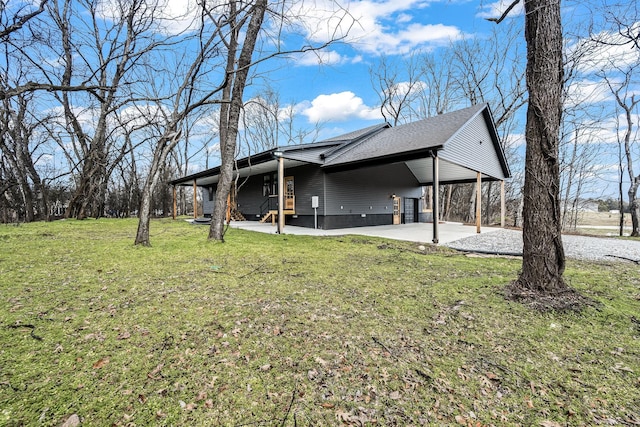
x,y
269,204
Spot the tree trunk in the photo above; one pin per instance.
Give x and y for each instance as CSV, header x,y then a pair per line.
x,y
489,187
448,203
543,260
634,207
471,215
144,218
237,72
166,143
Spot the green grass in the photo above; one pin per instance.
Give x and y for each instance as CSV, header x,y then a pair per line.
x,y
293,330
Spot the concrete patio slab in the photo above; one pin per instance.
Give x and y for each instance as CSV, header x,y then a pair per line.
x,y
416,232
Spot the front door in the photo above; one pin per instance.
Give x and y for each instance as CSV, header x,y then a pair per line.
x,y
397,219
289,194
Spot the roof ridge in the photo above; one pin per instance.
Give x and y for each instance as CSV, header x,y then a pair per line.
x,y
304,146
345,147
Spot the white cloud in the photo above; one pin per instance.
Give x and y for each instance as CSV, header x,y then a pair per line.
x,y
607,131
587,91
135,116
45,160
171,16
325,57
402,89
515,140
338,107
367,24
179,15
496,9
608,52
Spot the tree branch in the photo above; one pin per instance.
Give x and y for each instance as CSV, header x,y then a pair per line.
x,y
22,20
505,13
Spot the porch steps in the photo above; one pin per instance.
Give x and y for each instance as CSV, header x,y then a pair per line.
x,y
236,215
273,215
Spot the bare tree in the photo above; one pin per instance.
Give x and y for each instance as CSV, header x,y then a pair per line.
x,y
623,18
12,23
239,60
239,57
186,97
19,145
399,86
104,57
261,121
628,101
439,95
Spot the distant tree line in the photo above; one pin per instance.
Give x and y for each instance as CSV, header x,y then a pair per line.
x,y
122,109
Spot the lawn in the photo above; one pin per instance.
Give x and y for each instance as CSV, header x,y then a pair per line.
x,y
295,331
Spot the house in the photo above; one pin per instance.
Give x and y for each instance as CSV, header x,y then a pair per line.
x,y
372,176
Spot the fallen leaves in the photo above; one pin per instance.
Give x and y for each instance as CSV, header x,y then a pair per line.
x,y
100,363
352,419
155,373
395,395
124,336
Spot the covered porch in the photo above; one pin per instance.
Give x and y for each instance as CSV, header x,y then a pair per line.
x,y
412,232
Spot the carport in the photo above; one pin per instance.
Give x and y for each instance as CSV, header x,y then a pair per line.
x,y
457,147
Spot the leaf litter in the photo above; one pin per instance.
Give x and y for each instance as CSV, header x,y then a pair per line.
x,y
308,336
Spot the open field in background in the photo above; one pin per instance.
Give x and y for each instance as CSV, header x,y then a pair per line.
x,y
602,224
602,218
295,330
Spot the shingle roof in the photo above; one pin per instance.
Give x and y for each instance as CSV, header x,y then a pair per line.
x,y
379,144
417,137
351,136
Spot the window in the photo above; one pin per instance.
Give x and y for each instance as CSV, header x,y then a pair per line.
x,y
266,185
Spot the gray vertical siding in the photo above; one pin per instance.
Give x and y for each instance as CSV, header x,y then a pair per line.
x,y
343,196
465,149
207,205
250,197
307,181
368,190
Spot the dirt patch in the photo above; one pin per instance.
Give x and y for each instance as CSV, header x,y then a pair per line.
x,y
566,299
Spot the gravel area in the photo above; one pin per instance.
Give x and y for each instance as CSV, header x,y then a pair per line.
x,y
587,248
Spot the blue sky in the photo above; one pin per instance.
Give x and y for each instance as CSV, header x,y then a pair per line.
x,y
333,87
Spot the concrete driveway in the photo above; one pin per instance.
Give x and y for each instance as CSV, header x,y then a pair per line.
x,y
416,232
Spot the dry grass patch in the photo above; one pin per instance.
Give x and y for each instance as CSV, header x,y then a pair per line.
x,y
293,330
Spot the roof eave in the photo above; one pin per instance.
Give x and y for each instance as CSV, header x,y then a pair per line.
x,y
502,158
257,159
396,158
